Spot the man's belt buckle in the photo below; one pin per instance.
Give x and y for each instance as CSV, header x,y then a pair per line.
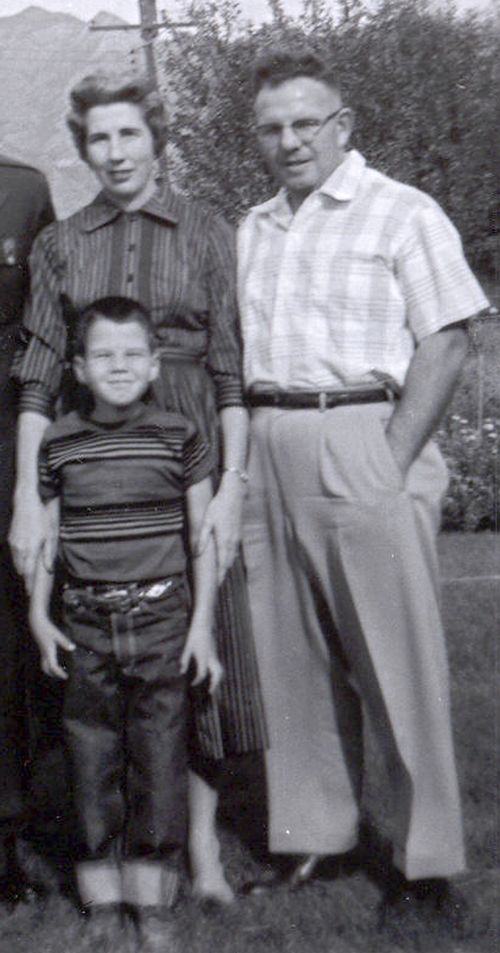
x,y
328,399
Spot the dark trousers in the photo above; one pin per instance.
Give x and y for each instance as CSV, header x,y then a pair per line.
x,y
33,783
32,780
13,718
125,721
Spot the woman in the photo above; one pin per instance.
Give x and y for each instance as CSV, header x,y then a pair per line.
x,y
150,244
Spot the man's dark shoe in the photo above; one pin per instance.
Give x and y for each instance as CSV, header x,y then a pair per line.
x,y
432,896
304,871
293,876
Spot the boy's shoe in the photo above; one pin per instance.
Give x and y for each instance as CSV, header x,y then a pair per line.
x,y
157,931
104,922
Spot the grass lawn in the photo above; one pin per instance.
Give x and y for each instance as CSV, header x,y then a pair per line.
x,y
341,915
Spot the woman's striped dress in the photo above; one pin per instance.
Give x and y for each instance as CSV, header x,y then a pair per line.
x,y
177,259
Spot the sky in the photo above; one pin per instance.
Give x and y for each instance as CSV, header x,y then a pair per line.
x,y
128,9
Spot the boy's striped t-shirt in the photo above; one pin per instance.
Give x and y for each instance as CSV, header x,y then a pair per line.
x,y
123,492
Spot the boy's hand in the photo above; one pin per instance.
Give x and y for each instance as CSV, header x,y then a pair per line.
x,y
49,639
200,649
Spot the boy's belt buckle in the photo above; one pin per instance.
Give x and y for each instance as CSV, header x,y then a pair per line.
x,y
114,594
116,601
157,589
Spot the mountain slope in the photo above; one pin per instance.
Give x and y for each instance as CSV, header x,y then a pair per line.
x,y
43,55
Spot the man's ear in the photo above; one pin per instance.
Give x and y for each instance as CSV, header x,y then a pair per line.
x,y
345,125
155,367
79,369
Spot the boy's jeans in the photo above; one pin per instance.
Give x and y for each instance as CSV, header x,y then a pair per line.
x,y
125,721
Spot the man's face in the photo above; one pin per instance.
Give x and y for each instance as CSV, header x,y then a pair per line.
x,y
119,149
118,365
281,111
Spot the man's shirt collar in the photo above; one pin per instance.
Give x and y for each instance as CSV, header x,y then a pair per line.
x,y
341,185
344,181
102,210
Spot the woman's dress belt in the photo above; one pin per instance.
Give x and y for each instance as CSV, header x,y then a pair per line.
x,y
169,353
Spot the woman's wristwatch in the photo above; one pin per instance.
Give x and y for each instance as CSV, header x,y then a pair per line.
x,y
242,474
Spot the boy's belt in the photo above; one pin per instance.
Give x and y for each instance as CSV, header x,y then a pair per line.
x,y
106,597
321,400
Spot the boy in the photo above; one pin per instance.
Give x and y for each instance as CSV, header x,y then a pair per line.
x,y
118,480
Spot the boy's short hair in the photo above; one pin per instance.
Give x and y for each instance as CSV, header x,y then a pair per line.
x,y
280,65
114,308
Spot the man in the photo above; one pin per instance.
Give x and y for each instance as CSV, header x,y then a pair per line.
x,y
354,293
25,208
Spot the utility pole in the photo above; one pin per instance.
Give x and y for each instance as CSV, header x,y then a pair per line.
x,y
149,27
149,32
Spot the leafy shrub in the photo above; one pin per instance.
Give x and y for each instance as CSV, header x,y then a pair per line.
x,y
472,501
424,84
470,433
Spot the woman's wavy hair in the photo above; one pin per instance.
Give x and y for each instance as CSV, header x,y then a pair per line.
x,y
102,89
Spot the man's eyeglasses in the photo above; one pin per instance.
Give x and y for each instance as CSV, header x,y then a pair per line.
x,y
269,134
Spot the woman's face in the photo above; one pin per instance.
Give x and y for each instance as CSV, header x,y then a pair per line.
x,y
120,151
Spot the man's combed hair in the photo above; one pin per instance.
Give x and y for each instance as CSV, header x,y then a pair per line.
x,y
102,89
278,66
114,308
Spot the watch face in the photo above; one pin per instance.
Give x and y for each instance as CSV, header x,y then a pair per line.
x,y
9,251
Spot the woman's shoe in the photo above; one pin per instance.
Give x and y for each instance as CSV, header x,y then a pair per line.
x,y
213,890
208,880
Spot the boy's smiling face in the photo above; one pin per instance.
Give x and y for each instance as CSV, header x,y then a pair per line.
x,y
118,366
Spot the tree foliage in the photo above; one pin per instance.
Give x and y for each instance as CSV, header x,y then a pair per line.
x,y
424,85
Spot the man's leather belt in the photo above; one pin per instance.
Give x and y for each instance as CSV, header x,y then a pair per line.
x,y
321,400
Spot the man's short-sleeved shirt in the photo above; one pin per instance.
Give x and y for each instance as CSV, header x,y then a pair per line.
x,y
123,491
342,292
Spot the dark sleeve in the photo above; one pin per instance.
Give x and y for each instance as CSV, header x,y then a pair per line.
x,y
224,346
48,480
46,213
39,363
197,457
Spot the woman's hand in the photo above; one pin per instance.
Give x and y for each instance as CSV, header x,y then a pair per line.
x,y
29,529
50,639
223,520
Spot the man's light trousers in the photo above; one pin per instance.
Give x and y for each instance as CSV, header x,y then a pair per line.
x,y
344,588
